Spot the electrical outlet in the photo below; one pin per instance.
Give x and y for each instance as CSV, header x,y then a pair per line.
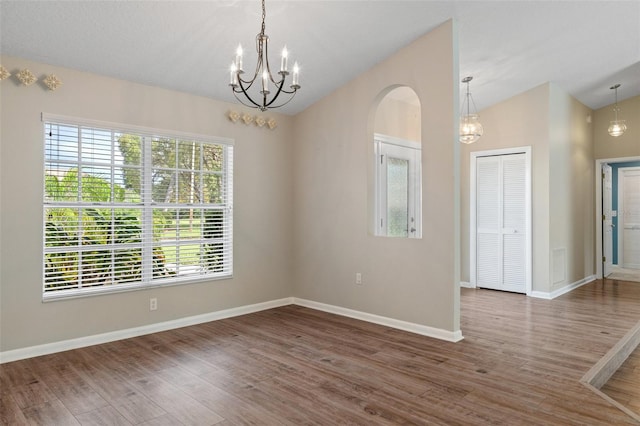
x,y
153,304
358,278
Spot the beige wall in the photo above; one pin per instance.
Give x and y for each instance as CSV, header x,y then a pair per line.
x,y
555,126
399,119
262,207
627,145
571,190
517,122
413,280
323,154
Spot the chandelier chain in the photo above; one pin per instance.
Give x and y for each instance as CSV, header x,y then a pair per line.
x,y
264,15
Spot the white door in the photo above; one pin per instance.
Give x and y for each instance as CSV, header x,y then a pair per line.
x,y
607,221
629,218
398,187
501,222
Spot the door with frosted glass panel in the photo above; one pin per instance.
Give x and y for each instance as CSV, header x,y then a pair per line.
x,y
398,190
501,222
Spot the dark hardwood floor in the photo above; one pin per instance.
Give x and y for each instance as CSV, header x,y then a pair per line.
x,y
520,363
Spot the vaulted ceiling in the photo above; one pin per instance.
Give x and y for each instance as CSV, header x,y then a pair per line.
x,y
508,46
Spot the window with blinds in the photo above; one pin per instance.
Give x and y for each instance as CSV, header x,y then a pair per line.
x,y
129,208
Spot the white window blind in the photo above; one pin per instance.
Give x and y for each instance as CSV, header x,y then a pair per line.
x,y
127,208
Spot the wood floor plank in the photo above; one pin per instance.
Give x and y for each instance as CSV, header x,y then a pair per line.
x,y
49,413
74,392
520,363
105,416
176,403
10,411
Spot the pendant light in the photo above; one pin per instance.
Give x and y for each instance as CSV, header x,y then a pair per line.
x,y
617,127
470,127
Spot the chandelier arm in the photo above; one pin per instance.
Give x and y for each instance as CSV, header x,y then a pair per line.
x,y
289,92
248,82
247,96
279,86
243,103
284,103
266,56
255,75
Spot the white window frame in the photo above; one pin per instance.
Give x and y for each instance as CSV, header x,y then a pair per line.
x,y
412,151
147,206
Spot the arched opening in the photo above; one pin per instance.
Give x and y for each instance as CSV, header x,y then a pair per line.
x,y
398,165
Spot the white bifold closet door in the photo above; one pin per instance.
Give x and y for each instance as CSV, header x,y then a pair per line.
x,y
501,222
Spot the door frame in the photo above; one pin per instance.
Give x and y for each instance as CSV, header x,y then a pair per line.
x,y
526,150
607,262
598,200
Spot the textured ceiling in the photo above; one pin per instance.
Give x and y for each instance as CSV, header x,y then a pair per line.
x,y
584,47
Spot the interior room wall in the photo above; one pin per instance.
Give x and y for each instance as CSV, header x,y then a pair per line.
x,y
414,280
606,147
517,122
571,190
262,206
557,128
399,119
626,145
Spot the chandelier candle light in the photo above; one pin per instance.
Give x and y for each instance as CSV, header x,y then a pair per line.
x,y
241,86
617,127
470,127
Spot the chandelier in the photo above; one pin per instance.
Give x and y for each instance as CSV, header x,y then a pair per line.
x,y
617,127
263,77
470,127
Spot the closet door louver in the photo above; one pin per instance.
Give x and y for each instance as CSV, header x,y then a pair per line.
x,y
501,221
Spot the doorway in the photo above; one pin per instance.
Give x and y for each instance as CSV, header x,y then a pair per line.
x,y
501,220
618,218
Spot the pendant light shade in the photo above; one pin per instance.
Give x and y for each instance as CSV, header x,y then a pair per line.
x,y
470,127
616,127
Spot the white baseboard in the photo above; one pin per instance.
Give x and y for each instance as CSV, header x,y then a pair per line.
x,y
81,342
437,333
465,284
563,290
